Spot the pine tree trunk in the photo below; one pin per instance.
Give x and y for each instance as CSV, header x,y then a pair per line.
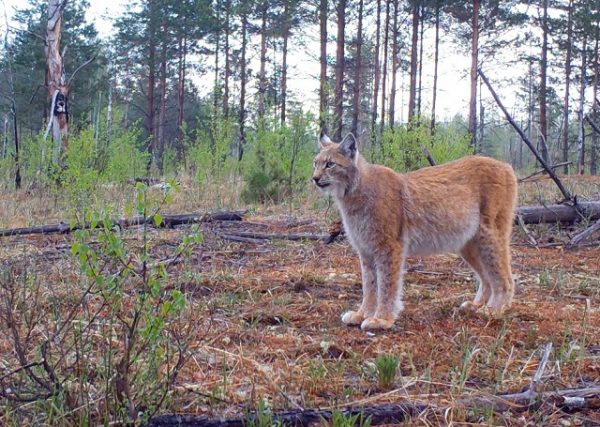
x,y
357,71
262,75
376,71
323,62
162,112
543,139
181,97
565,130
339,71
420,86
109,111
5,137
386,31
581,137
530,106
435,64
58,90
284,77
217,47
227,61
395,66
474,59
150,116
286,36
243,78
413,62
481,117
594,145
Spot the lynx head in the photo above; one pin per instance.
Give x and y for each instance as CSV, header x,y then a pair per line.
x,y
335,165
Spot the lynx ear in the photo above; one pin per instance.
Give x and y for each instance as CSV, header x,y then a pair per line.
x,y
348,146
324,141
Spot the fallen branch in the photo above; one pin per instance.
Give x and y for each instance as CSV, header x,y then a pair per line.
x,y
539,373
148,180
274,236
573,398
240,239
168,221
523,226
580,237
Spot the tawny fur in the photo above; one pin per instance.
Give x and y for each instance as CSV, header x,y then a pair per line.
x,y
466,206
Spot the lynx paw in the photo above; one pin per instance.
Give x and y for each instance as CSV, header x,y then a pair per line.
x,y
352,318
372,323
470,306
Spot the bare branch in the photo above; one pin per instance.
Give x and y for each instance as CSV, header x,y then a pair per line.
x,y
25,30
86,63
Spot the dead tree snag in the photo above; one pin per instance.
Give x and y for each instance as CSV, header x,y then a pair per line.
x,y
56,82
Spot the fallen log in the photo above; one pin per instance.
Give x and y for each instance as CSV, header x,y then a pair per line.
x,y
168,221
381,414
530,215
559,213
571,399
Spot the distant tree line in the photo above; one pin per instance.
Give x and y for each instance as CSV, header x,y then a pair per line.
x,y
150,69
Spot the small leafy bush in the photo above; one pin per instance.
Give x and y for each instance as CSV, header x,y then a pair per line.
x,y
125,157
401,148
211,154
105,344
278,159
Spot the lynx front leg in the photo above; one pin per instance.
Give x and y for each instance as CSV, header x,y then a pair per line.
x,y
369,290
389,290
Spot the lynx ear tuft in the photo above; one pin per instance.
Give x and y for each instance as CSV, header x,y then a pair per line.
x,y
325,141
348,146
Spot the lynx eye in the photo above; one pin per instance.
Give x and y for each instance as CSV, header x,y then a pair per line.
x,y
329,165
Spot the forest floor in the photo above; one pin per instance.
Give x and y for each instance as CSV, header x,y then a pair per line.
x,y
267,315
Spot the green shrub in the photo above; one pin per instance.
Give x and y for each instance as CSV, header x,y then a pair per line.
x,y
125,158
37,157
211,153
118,332
401,148
79,178
278,159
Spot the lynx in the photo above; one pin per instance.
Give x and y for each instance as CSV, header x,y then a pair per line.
x,y
466,206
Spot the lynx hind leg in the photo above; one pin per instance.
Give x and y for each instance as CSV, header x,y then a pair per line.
x,y
369,291
495,256
471,255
